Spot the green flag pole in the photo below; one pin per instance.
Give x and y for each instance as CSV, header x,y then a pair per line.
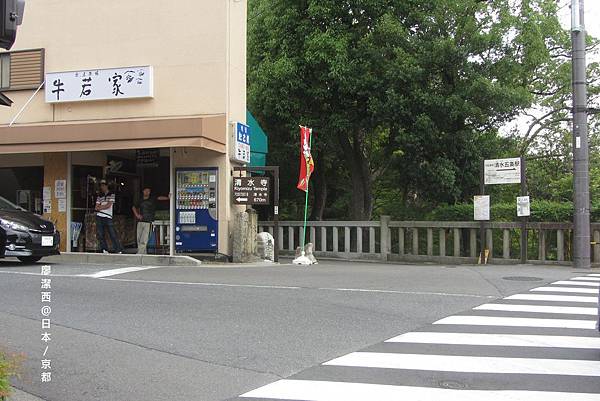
x,y
306,201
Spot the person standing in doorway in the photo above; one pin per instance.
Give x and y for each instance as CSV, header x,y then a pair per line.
x,y
104,219
144,212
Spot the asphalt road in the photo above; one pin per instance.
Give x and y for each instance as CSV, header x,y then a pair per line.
x,y
213,333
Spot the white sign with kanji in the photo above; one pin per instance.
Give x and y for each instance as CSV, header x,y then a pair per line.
x,y
100,84
481,207
523,206
502,171
241,143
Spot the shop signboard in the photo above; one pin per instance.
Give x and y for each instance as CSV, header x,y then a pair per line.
x,y
241,143
502,171
251,190
99,84
146,158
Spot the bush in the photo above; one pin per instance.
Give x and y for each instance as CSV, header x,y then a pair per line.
x,y
8,368
541,211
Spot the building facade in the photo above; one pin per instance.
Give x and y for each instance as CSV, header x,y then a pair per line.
x,y
131,92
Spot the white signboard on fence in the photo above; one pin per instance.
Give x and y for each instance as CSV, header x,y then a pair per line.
x,y
481,207
99,84
523,206
502,171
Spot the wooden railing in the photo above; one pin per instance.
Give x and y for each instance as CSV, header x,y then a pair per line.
x,y
432,241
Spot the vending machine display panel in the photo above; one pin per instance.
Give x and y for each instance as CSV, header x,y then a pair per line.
x,y
196,228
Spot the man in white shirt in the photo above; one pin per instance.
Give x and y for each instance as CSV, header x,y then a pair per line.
x,y
104,219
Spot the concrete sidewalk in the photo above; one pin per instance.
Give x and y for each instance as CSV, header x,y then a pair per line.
x,y
123,259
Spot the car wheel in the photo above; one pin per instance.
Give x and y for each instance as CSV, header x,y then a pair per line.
x,y
29,259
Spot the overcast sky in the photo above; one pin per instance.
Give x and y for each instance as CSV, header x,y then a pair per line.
x,y
592,25
592,15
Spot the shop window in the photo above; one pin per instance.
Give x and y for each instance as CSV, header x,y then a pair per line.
x,y
4,70
22,69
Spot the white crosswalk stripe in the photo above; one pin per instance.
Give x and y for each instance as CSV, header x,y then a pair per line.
x,y
577,283
558,298
518,322
587,278
311,390
539,309
509,340
544,349
566,289
472,364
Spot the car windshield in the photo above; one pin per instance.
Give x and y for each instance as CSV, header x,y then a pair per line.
x,y
6,205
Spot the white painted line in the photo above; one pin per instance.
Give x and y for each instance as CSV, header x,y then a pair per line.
x,y
579,283
275,287
313,390
468,364
583,278
115,272
445,294
539,309
39,274
594,275
565,289
503,340
557,298
518,322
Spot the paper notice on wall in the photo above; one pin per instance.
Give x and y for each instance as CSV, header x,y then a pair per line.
x,y
481,209
523,206
47,206
47,193
60,189
62,205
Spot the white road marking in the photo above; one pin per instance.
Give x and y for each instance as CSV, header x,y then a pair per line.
x,y
578,283
468,364
518,322
539,309
565,289
505,340
404,292
276,287
313,390
585,278
115,272
557,298
594,275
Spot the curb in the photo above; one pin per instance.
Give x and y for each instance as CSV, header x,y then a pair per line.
x,y
123,259
18,395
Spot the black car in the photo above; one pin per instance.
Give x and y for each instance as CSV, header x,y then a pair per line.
x,y
28,237
2,242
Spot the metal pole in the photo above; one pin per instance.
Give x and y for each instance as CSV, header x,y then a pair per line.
x,y
69,202
581,178
172,201
524,219
482,224
276,215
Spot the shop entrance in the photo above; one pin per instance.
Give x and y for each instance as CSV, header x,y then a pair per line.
x,y
127,173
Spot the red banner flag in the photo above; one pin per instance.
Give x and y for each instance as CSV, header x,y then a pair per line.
x,y
307,165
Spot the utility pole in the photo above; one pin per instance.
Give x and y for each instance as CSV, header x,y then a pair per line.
x,y
581,175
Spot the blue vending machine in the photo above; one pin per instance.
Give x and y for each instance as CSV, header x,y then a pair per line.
x,y
196,228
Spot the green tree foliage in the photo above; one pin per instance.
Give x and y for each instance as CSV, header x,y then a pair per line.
x,y
405,96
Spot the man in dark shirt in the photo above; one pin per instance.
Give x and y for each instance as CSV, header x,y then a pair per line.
x,y
144,212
